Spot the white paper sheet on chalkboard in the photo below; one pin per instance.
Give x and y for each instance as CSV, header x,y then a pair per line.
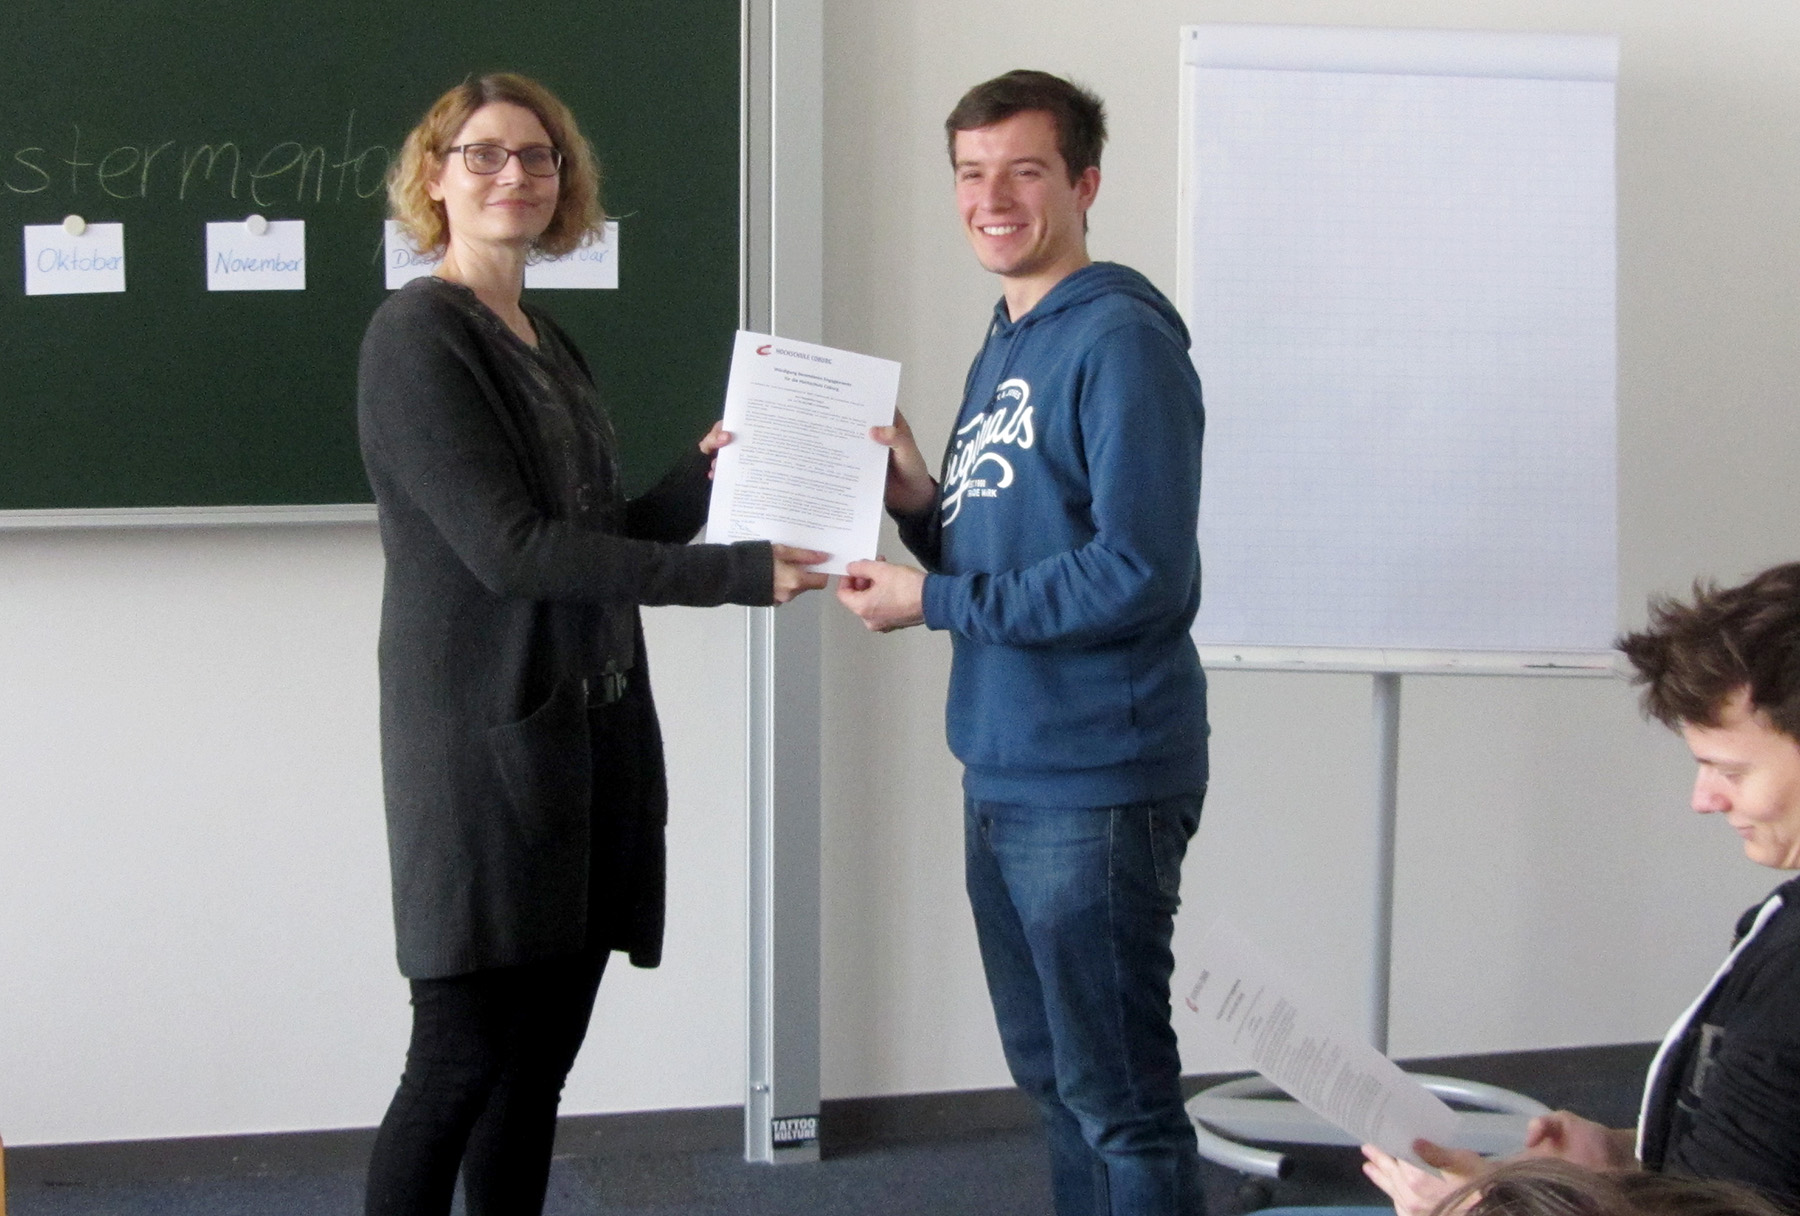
x,y
1399,268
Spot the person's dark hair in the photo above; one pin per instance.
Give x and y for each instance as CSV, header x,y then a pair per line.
x,y
1079,115
1693,657
1544,1186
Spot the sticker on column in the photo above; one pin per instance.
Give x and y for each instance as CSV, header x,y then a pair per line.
x,y
403,262
591,267
794,1131
256,254
74,258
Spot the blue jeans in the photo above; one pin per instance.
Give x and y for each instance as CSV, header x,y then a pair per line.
x,y
1074,911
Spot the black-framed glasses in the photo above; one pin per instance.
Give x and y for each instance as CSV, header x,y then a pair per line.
x,y
539,160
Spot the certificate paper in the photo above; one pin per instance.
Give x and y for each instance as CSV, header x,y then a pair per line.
x,y
801,469
1321,1063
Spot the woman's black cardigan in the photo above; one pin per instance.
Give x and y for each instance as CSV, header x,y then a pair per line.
x,y
489,610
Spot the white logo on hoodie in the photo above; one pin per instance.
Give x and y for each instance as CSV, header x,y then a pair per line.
x,y
1007,421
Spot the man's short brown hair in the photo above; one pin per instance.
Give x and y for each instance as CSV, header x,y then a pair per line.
x,y
1079,115
1692,658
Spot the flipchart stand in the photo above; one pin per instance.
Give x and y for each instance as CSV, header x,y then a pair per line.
x,y
1253,1108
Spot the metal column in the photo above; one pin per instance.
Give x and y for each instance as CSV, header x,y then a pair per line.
x,y
1387,819
782,243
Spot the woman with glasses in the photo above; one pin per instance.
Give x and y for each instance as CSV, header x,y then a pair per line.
x,y
521,760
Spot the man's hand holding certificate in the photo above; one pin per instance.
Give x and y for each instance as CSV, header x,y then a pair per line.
x,y
801,469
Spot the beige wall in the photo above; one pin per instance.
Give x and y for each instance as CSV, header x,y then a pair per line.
x,y
194,927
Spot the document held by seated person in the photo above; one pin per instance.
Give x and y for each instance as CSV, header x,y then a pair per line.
x,y
1322,1063
801,469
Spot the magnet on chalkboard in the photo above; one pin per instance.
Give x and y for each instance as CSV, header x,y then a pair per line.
x,y
74,225
256,225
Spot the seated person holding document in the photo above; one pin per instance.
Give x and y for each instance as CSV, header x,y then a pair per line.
x,y
1722,1099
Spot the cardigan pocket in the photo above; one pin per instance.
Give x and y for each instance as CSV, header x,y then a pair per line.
x,y
545,765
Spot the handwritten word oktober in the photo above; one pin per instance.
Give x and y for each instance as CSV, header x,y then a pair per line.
x,y
288,170
63,261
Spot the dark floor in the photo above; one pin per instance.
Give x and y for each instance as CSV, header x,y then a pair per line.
x,y
945,1154
998,1173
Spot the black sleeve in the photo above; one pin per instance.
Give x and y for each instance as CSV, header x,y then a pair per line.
x,y
921,535
1746,1128
674,509
436,444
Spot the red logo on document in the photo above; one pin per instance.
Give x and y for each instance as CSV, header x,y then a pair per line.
x,y
763,350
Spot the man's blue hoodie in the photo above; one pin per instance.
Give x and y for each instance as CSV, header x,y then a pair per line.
x,y
1063,552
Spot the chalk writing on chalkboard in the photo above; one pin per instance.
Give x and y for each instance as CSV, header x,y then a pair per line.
x,y
264,171
172,395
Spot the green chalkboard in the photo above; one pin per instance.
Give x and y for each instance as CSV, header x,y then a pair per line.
x,y
168,395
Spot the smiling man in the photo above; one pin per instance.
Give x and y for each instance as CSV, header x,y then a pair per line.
x,y
1060,544
1749,772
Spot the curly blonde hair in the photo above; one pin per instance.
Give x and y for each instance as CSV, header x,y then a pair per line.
x,y
579,216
